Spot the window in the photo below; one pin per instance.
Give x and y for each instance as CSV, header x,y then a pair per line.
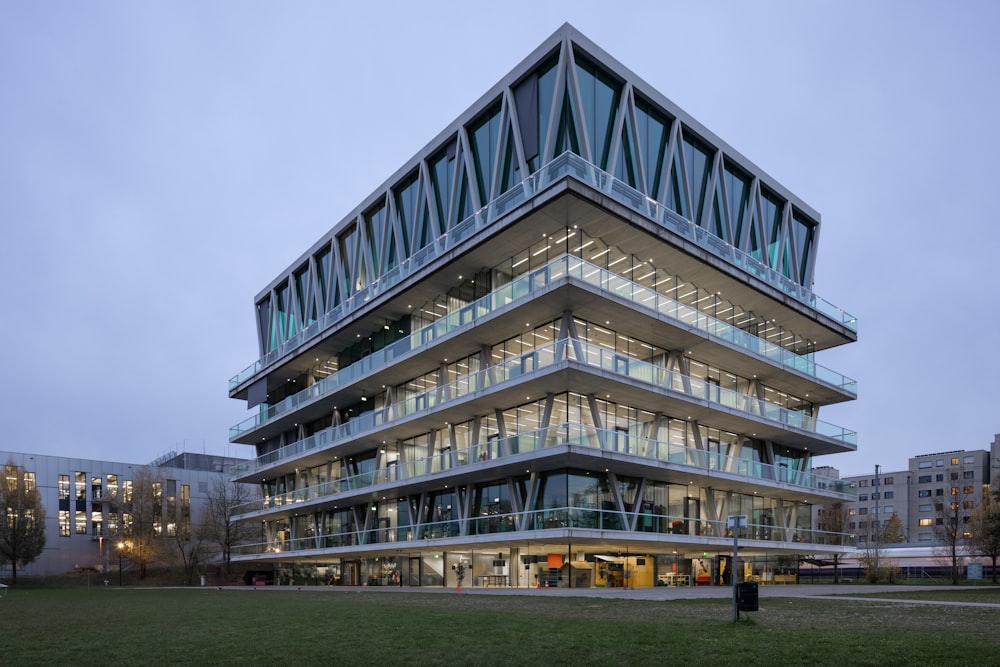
x,y
924,479
924,464
968,489
924,508
938,492
887,495
887,480
863,496
863,511
888,509
926,522
924,537
954,490
969,459
851,512
939,477
954,475
64,489
954,460
64,529
863,482
875,496
939,463
968,504
81,486
81,521
969,474
924,493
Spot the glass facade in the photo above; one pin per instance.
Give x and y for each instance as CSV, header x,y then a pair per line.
x,y
540,342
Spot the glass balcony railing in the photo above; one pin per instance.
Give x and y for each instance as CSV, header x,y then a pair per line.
x,y
571,165
693,460
679,528
527,286
542,358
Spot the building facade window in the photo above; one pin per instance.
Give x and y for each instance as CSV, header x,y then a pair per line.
x,y
63,487
64,526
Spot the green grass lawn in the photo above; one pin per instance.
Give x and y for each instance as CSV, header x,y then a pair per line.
x,y
345,627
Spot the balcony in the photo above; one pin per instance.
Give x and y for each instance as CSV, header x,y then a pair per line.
x,y
579,523
518,370
654,452
565,165
562,269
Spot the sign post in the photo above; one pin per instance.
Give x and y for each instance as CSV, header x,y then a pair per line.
x,y
734,523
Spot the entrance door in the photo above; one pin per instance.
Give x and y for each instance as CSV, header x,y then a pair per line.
x,y
413,571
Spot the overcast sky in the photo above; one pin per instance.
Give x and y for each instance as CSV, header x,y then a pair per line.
x,y
161,162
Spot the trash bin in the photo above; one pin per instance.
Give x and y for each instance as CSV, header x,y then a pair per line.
x,y
746,596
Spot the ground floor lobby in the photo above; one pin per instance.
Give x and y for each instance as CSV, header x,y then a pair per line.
x,y
526,567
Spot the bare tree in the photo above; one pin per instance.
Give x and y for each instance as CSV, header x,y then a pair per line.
x,y
874,558
188,548
225,500
832,518
951,528
984,526
141,507
22,518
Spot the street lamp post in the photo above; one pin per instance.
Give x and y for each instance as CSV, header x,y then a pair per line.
x,y
121,549
878,518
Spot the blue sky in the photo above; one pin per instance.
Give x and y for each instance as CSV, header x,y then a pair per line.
x,y
161,162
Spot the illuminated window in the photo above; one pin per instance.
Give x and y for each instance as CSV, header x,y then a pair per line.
x,y
112,486
924,493
63,487
81,486
954,460
968,489
968,504
64,528
954,490
81,522
926,522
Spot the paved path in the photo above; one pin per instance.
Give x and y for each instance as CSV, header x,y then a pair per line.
x,y
817,591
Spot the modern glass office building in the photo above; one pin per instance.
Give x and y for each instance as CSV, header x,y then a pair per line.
x,y
559,346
